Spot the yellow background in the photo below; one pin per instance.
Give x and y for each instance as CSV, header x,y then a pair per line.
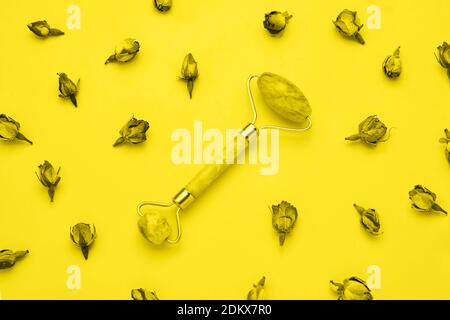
x,y
228,241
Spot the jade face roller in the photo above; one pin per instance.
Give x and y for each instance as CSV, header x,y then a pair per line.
x,y
284,98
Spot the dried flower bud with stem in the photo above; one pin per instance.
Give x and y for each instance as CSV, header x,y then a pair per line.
x,y
424,200
8,258
371,131
284,216
143,294
134,132
9,129
43,30
442,55
49,177
256,293
348,24
392,65
189,72
154,227
83,235
125,51
370,220
352,288
67,88
163,5
446,141
276,21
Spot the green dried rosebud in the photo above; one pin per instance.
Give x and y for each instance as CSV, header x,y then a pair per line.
x,y
189,72
49,177
446,140
424,200
284,216
276,21
42,29
67,88
256,293
353,288
369,219
154,227
8,258
163,5
284,97
392,65
349,25
9,129
83,235
443,56
125,51
134,131
143,294
371,131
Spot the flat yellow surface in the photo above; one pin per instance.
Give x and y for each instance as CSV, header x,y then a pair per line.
x,y
228,241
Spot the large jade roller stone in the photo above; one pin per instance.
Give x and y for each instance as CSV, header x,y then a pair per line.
x,y
284,97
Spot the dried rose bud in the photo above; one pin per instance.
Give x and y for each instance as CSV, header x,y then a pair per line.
x,y
443,56
256,293
349,25
49,177
371,131
154,227
284,216
446,140
43,30
67,88
8,258
189,72
369,219
125,51
353,288
143,294
9,129
392,65
163,5
276,21
83,235
424,200
134,131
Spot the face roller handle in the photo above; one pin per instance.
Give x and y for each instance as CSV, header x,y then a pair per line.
x,y
210,172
